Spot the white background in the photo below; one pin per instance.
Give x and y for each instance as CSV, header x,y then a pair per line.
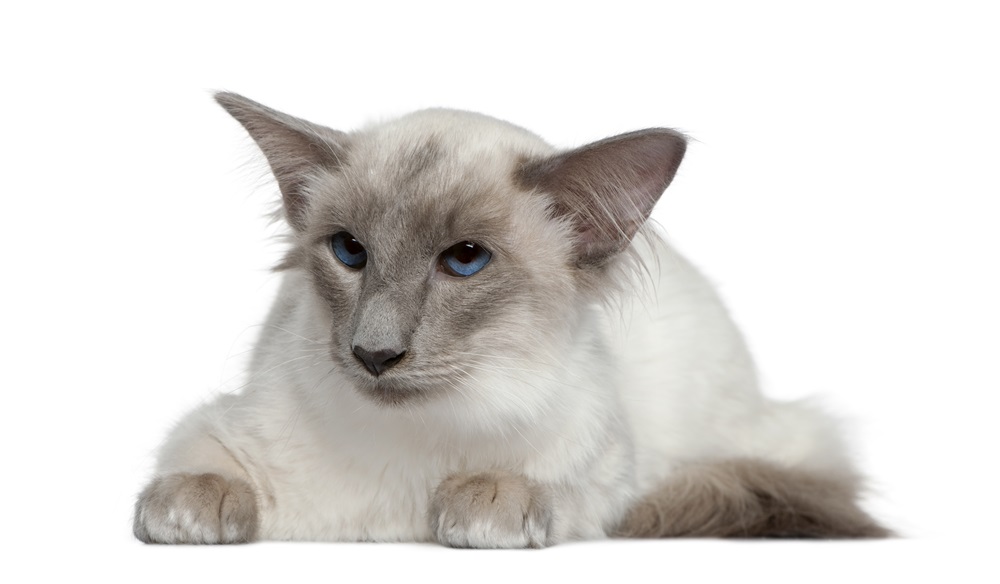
x,y
841,189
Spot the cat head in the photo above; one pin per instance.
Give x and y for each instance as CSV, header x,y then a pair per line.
x,y
446,247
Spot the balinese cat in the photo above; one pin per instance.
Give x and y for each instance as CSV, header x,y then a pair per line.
x,y
478,341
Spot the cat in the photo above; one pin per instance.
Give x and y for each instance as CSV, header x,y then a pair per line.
x,y
479,341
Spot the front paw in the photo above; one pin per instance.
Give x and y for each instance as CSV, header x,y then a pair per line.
x,y
190,508
490,510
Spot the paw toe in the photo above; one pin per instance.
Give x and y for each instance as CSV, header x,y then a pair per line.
x,y
196,509
490,510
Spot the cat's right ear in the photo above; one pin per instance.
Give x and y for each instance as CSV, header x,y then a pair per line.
x,y
607,189
294,148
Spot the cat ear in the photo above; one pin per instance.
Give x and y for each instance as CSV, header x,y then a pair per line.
x,y
293,148
608,188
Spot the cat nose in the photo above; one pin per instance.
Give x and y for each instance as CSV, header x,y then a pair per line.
x,y
377,362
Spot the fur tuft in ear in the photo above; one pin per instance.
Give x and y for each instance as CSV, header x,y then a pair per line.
x,y
608,188
293,148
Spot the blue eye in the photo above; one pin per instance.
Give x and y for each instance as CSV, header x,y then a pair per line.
x,y
464,259
347,249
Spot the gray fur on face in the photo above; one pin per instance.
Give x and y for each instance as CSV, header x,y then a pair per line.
x,y
409,190
751,498
196,509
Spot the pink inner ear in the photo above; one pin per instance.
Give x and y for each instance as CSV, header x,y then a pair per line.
x,y
608,188
586,235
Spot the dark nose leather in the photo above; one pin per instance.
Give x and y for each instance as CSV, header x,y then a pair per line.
x,y
378,362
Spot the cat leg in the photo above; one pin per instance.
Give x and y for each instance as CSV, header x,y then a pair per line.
x,y
751,498
494,509
201,494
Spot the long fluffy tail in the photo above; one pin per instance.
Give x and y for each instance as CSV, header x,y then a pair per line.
x,y
751,498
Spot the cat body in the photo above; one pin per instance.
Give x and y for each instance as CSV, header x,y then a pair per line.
x,y
584,381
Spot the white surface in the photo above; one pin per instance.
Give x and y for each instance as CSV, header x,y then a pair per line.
x,y
842,190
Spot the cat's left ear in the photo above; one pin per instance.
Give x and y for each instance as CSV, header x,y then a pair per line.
x,y
293,148
607,189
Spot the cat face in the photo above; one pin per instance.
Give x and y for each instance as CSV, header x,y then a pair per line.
x,y
405,324
447,246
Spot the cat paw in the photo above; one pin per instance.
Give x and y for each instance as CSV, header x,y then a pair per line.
x,y
490,510
197,509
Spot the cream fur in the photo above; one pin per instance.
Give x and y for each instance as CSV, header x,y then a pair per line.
x,y
600,410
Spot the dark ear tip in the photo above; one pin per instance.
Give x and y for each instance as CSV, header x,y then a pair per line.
x,y
249,112
670,137
235,103
662,143
665,144
671,133
226,97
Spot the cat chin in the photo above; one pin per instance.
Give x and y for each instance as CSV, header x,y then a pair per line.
x,y
393,393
